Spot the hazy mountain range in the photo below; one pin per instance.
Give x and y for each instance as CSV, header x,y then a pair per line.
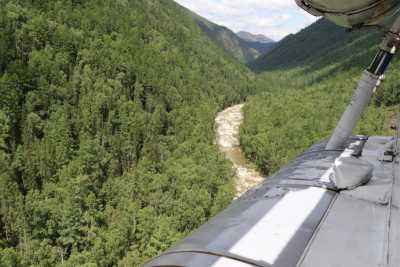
x,y
244,46
259,38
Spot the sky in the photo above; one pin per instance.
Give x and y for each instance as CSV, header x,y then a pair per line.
x,y
273,18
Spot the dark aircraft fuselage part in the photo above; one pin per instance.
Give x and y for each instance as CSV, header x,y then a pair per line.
x,y
352,13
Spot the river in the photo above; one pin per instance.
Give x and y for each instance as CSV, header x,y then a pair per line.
x,y
227,125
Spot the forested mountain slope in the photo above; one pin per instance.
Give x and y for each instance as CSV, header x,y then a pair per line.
x,y
319,45
243,50
307,81
106,130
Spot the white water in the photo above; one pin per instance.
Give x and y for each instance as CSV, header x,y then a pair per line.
x,y
227,131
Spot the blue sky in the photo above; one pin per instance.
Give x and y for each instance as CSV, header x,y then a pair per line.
x,y
273,18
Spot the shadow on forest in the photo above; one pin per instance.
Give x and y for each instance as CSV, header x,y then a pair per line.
x,y
321,46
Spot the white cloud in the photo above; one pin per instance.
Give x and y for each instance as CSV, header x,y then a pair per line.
x,y
274,18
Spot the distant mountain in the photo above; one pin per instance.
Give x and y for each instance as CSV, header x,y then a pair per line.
x,y
318,45
243,50
259,38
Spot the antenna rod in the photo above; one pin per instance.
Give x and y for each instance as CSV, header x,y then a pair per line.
x,y
370,80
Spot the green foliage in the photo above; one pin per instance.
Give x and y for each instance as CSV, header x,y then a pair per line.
x,y
290,117
9,258
107,152
106,130
310,79
321,45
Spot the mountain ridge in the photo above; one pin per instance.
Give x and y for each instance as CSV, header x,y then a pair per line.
x,y
244,51
318,45
260,38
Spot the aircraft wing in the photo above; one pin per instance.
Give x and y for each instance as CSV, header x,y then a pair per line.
x,y
299,218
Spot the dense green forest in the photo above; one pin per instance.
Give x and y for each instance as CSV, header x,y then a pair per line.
x,y
106,130
107,109
319,45
310,77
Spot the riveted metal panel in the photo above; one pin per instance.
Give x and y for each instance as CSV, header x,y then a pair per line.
x,y
353,234
394,233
